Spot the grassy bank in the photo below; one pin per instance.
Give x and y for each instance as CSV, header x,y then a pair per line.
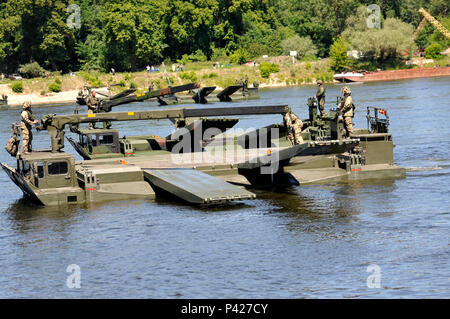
x,y
200,72
285,74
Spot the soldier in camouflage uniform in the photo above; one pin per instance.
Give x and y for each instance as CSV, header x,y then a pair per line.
x,y
320,95
92,104
27,121
294,127
347,108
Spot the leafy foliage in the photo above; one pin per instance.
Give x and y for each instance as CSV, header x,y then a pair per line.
x,y
392,41
54,87
191,76
267,68
338,55
433,51
17,87
303,45
127,35
31,70
240,56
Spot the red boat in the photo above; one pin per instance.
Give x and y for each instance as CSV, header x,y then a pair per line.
x,y
392,75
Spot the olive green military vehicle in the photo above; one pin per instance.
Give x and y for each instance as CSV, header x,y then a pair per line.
x,y
212,168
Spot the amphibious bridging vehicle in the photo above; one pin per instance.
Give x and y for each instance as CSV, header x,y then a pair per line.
x,y
199,170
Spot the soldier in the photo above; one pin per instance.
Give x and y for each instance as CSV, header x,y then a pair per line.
x,y
245,84
294,127
320,95
27,121
92,104
347,108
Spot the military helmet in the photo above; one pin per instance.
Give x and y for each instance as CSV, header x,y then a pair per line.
x,y
346,90
319,82
26,105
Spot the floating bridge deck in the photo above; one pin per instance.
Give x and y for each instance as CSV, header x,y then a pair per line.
x,y
195,186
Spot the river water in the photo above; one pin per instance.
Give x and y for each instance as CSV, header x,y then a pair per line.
x,y
321,241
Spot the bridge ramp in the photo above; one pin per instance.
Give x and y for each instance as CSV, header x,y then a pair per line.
x,y
195,186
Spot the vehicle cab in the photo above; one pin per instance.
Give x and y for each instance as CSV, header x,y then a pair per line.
x,y
97,143
47,177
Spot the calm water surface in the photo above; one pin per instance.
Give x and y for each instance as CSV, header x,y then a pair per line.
x,y
313,241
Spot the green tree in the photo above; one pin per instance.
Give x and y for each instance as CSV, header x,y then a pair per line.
x,y
133,33
393,40
338,55
433,51
303,45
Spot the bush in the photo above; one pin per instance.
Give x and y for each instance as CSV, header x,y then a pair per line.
x,y
95,83
267,68
218,54
31,70
433,51
43,93
54,87
17,87
127,77
303,45
198,56
133,85
122,83
240,56
58,81
189,76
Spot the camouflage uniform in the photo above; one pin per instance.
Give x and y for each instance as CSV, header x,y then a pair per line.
x,y
27,121
320,95
347,108
294,127
92,104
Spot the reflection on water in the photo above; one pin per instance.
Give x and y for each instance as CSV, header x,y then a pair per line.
x,y
307,241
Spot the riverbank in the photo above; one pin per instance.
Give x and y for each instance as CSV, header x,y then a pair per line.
x,y
220,75
301,73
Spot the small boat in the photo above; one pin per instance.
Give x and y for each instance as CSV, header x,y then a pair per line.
x,y
349,77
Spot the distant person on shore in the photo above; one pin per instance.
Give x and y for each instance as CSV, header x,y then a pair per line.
x,y
3,77
320,95
348,109
27,120
173,67
148,68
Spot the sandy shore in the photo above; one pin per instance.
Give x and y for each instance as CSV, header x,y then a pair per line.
x,y
52,98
